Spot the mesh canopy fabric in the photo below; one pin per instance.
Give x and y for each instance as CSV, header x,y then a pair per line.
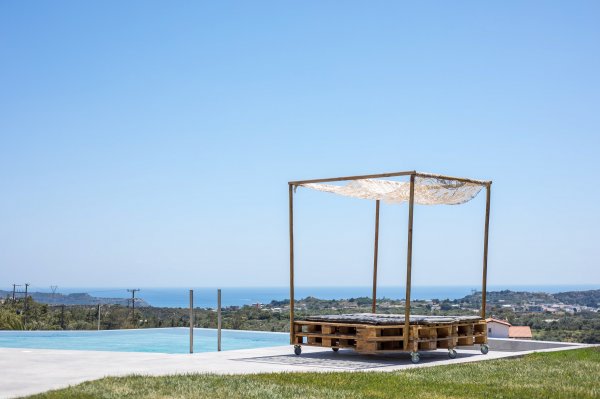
x,y
429,190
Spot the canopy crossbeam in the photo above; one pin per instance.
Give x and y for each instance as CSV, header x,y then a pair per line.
x,y
391,174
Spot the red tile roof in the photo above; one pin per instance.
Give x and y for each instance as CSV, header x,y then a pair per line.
x,y
519,332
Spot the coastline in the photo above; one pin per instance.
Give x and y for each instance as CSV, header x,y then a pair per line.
x,y
206,297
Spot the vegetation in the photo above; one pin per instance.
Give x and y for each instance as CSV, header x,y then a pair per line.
x,y
580,326
31,315
9,320
566,374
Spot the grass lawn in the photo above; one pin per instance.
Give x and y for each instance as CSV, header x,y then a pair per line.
x,y
566,374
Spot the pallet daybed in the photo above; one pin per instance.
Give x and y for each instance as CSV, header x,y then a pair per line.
x,y
374,333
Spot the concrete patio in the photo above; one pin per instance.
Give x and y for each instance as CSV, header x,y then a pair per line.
x,y
29,371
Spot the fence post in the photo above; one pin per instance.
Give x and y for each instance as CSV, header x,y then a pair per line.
x,y
191,321
219,320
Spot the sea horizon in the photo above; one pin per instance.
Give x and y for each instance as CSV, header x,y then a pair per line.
x,y
206,297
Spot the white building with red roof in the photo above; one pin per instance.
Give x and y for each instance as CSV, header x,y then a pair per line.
x,y
503,329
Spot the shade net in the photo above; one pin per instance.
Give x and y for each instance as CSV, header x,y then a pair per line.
x,y
429,190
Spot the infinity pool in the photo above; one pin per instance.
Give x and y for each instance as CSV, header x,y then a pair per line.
x,y
161,340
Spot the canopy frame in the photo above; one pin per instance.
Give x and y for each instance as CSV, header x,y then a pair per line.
x,y
413,174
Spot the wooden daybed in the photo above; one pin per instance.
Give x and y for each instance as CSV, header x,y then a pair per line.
x,y
375,333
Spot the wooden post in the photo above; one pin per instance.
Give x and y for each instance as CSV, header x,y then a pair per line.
x,y
191,321
219,320
291,201
374,305
485,247
411,202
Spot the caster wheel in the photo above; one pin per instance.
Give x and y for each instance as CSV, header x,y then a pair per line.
x,y
484,349
451,353
297,350
415,357
335,349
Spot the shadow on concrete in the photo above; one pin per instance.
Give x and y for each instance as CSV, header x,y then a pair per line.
x,y
350,360
522,345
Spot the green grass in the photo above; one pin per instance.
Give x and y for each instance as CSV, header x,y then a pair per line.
x,y
566,374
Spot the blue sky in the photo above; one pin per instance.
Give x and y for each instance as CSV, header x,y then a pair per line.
x,y
150,143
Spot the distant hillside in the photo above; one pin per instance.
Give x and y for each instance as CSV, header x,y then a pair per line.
x,y
589,298
76,299
514,297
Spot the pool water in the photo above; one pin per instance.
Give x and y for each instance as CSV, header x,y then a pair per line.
x,y
161,340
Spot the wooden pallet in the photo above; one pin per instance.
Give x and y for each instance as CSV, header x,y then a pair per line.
x,y
372,339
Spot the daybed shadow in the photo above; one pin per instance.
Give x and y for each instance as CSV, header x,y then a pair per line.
x,y
348,360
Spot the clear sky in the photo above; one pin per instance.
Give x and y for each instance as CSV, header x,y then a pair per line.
x,y
150,143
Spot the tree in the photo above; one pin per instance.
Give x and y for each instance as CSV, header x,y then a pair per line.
x,y
9,320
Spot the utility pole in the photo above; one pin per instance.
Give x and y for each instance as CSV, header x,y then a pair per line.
x,y
133,291
16,291
98,317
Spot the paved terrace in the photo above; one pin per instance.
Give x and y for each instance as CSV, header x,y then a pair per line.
x,y
29,371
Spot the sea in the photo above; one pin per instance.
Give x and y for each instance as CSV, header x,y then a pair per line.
x,y
206,297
